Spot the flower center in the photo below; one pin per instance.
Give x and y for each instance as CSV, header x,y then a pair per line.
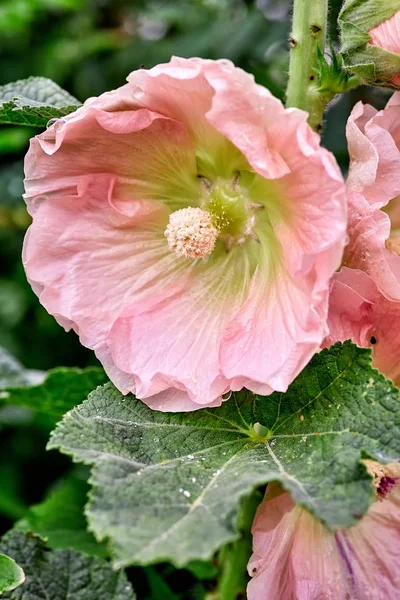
x,y
226,213
191,233
384,480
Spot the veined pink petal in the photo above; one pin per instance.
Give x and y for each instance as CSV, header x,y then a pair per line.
x,y
80,254
374,188
101,185
358,311
151,155
173,339
386,35
296,558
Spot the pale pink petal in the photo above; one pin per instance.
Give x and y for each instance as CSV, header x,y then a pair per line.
x,y
274,333
296,558
386,35
173,338
374,184
80,254
150,155
358,311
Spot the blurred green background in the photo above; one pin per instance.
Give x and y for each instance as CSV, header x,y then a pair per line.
x,y
88,47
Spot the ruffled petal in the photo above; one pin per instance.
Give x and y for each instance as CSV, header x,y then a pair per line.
x,y
151,156
172,339
373,184
274,334
358,311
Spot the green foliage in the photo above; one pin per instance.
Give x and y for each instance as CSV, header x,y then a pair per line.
x,y
62,574
55,393
34,102
60,518
11,575
13,374
332,77
168,486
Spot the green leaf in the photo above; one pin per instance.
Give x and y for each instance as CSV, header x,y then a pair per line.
x,y
168,486
11,575
12,373
60,518
34,102
58,391
62,574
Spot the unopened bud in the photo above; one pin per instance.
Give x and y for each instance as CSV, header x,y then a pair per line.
x,y
370,34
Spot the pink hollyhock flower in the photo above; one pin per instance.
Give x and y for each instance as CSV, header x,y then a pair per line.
x,y
296,558
374,194
186,226
358,311
386,35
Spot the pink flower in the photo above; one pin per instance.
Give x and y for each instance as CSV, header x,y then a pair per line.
x,y
386,35
186,226
358,311
374,194
296,558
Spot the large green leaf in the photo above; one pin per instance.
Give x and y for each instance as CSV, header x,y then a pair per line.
x,y
56,392
62,574
60,518
11,574
168,486
34,101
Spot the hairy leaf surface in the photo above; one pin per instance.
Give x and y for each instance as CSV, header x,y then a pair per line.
x,y
168,486
62,574
34,102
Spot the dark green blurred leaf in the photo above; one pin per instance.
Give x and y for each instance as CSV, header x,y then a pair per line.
x,y
58,391
12,373
60,518
13,302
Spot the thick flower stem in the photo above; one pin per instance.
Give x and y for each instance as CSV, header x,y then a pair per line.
x,y
308,34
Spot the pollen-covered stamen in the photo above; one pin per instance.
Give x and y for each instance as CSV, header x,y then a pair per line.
x,y
191,233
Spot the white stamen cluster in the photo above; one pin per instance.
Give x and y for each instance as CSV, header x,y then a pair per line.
x,y
191,233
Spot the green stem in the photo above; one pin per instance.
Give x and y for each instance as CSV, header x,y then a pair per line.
x,y
308,34
233,558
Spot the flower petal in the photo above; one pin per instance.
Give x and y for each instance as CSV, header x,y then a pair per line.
x,y
147,152
80,254
296,558
172,339
373,183
358,311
